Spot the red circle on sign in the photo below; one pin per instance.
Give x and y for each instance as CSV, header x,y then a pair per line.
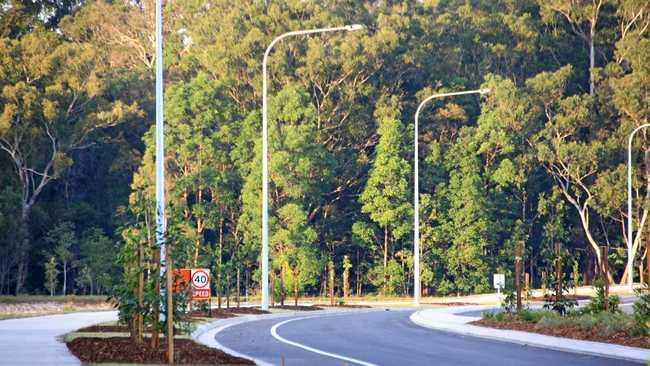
x,y
207,279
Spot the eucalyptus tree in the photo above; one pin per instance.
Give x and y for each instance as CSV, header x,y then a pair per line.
x,y
385,198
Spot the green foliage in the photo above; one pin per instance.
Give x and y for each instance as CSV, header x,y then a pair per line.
x,y
540,159
597,302
642,310
509,301
51,275
604,324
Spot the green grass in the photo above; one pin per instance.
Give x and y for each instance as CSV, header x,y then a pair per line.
x,y
58,299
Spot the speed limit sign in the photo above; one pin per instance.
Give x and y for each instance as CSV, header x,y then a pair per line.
x,y
200,283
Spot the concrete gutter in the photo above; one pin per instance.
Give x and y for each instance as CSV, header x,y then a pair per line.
x,y
445,319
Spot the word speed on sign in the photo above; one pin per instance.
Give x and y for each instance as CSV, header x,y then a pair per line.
x,y
200,283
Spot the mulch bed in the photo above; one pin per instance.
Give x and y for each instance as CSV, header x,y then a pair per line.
x,y
107,329
574,332
567,297
215,313
350,306
253,311
227,312
123,350
298,308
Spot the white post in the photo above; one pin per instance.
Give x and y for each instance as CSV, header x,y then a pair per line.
x,y
630,238
265,152
160,141
416,192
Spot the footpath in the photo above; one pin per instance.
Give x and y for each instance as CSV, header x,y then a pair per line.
x,y
453,320
35,341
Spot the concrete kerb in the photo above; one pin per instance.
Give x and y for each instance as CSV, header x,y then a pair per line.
x,y
206,333
447,320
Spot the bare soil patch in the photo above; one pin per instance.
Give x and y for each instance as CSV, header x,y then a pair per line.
x,y
573,332
349,306
123,350
298,308
25,306
453,303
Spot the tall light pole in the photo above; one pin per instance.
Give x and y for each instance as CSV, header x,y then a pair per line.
x,y
630,240
265,151
416,191
160,141
160,186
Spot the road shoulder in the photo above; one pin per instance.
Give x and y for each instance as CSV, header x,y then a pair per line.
x,y
447,319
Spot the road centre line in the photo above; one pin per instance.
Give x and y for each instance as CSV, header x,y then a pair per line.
x,y
274,333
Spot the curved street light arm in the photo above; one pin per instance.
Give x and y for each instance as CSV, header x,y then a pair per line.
x,y
416,191
265,150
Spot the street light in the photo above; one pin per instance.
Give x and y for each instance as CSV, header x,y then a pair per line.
x,y
265,148
630,253
160,141
416,192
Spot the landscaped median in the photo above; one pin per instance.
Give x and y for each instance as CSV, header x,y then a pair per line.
x,y
453,320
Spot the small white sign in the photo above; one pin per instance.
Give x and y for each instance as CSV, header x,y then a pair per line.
x,y
499,281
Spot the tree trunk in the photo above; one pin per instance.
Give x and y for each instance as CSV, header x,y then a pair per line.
x,y
155,336
23,250
140,316
647,262
281,286
228,290
331,282
385,261
170,306
219,261
346,283
295,290
272,287
238,284
65,276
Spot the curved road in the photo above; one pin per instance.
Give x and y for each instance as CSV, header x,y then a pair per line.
x,y
380,338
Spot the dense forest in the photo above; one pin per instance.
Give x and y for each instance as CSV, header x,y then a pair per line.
x,y
540,160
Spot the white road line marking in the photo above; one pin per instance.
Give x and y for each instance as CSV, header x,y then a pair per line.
x,y
274,333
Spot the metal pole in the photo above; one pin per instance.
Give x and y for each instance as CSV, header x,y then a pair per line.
x,y
265,151
160,140
160,186
416,192
630,239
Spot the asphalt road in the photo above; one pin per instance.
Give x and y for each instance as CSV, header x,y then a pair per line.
x,y
381,338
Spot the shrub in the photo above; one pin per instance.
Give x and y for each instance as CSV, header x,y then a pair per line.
x,y
533,316
597,303
642,311
560,306
509,302
488,315
604,323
